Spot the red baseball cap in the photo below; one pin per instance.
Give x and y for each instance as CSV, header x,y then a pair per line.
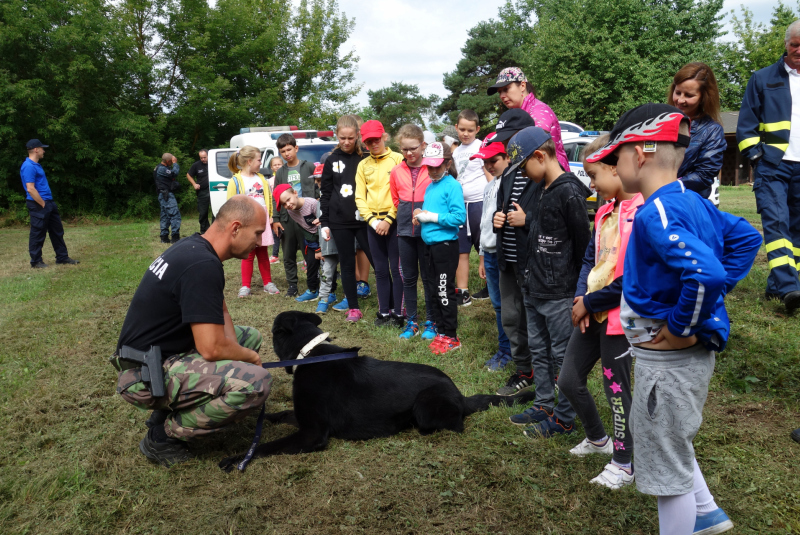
x,y
489,148
318,170
372,129
276,193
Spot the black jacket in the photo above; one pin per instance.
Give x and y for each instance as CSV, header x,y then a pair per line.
x,y
526,202
557,239
338,204
308,187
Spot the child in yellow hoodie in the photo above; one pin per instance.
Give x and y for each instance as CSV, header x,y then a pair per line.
x,y
375,206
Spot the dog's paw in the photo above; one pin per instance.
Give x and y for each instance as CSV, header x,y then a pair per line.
x,y
229,463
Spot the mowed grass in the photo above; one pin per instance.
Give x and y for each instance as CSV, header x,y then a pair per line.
x,y
70,461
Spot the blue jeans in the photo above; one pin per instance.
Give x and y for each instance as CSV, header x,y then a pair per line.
x,y
170,216
549,331
493,283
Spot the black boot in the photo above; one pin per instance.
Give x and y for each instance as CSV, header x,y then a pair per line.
x,y
176,237
165,239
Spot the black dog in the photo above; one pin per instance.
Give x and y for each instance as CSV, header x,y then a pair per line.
x,y
361,397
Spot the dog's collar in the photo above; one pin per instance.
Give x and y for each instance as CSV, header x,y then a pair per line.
x,y
317,340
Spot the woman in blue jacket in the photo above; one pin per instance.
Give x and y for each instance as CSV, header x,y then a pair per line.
x,y
694,91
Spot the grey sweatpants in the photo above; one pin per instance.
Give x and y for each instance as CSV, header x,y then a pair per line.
x,y
328,279
512,313
669,391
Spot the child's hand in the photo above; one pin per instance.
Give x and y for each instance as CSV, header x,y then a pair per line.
x,y
482,269
669,341
326,234
579,314
315,222
382,228
318,255
418,210
499,220
517,217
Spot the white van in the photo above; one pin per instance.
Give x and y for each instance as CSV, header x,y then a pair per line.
x,y
312,144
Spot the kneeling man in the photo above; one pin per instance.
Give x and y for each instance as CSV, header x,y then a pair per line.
x,y
212,372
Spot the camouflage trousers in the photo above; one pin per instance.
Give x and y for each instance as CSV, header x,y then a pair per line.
x,y
202,396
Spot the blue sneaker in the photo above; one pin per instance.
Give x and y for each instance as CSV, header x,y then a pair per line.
x,y
331,299
714,522
307,296
428,330
363,289
549,428
531,415
322,307
498,361
411,330
341,306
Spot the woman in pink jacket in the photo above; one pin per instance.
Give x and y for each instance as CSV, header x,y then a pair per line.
x,y
598,334
517,92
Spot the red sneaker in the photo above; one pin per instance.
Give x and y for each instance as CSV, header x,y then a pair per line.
x,y
274,259
437,342
448,344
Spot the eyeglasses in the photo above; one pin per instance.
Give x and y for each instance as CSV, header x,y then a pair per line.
x,y
413,149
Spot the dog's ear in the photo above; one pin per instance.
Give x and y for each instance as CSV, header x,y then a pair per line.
x,y
313,318
284,323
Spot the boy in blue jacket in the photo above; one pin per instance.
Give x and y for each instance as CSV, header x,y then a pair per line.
x,y
441,214
683,257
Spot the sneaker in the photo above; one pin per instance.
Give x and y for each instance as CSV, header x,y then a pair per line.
x,y
331,299
428,330
271,289
363,289
244,291
615,478
68,260
307,296
304,267
354,315
447,344
437,341
792,302
483,294
586,447
341,306
531,415
411,330
397,321
516,383
462,297
274,259
39,265
498,361
168,453
292,291
322,307
381,320
714,522
549,428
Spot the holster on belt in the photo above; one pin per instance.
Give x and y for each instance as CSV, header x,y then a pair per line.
x,y
150,363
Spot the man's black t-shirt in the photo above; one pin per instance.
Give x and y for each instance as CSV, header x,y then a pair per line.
x,y
199,172
182,286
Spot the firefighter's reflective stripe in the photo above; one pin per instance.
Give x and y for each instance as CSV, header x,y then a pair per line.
x,y
773,127
749,142
777,244
782,261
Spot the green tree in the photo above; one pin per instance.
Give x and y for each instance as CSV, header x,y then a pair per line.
x,y
595,59
491,46
401,103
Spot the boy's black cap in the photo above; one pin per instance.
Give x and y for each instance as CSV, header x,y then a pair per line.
x,y
512,122
35,144
648,122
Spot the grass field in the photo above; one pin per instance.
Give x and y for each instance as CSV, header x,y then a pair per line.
x,y
70,461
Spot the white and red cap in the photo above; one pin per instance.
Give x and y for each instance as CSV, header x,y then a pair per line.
x,y
648,122
489,148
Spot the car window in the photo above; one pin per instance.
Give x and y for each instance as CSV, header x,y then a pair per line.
x,y
572,149
565,127
222,163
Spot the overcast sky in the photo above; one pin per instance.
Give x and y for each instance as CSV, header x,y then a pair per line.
x,y
416,43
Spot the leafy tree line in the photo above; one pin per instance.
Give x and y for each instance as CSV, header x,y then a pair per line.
x,y
591,60
111,85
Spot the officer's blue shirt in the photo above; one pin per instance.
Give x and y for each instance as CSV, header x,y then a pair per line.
x,y
33,172
683,257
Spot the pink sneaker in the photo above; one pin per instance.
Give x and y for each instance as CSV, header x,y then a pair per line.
x,y
354,315
274,259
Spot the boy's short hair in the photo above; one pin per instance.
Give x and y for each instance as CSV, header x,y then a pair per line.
x,y
469,115
286,139
595,145
646,123
549,148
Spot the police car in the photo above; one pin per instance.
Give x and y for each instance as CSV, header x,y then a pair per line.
x,y
311,144
573,146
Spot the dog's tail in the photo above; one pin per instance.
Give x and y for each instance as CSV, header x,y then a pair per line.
x,y
481,402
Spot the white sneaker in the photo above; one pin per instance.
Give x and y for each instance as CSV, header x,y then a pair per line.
x,y
271,289
613,477
244,291
586,448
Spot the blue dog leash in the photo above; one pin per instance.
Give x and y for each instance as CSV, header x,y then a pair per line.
x,y
283,364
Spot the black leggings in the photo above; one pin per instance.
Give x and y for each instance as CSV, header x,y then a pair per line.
x,y
442,260
412,260
345,239
583,352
